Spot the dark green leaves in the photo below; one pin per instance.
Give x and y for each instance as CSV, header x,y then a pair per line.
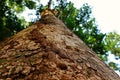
x,y
87,30
113,65
30,4
112,41
9,22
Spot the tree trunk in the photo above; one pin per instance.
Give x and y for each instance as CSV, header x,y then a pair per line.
x,y
47,50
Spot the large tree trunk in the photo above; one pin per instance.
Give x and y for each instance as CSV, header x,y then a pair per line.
x,y
47,50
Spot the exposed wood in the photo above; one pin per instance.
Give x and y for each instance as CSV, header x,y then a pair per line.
x,y
47,50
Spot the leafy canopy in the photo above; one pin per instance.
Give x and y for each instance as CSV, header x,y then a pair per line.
x,y
9,22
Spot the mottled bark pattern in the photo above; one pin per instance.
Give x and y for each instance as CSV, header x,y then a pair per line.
x,y
47,50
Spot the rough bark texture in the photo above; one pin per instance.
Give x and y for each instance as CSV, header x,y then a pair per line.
x,y
47,50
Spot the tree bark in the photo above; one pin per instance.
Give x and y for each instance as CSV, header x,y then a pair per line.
x,y
48,50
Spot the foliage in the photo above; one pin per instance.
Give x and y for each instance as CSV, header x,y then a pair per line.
x,y
67,13
9,22
112,42
90,33
113,65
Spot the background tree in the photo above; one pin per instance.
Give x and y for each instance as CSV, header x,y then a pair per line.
x,y
9,22
88,27
112,41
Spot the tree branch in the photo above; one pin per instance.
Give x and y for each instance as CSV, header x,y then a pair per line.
x,y
49,4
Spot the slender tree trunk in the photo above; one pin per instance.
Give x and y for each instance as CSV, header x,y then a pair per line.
x,y
47,50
